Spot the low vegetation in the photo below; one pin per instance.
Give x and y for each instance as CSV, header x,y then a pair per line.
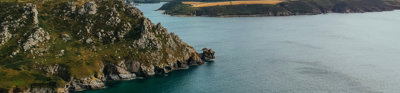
x,y
25,69
275,7
224,3
80,45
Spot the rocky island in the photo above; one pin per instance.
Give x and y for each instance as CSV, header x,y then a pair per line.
x,y
62,46
274,7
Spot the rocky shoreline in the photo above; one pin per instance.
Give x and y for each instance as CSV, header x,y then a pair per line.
x,y
65,46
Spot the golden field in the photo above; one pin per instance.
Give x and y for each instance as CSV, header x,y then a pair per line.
x,y
207,4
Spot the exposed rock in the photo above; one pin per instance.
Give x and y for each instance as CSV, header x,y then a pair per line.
x,y
37,37
15,53
114,20
61,53
12,23
148,38
65,37
91,82
47,90
133,66
118,43
89,8
118,72
89,41
32,11
207,55
39,89
4,36
125,29
70,8
127,76
134,12
86,83
51,69
148,70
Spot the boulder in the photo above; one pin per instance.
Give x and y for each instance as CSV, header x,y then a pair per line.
x,y
207,55
65,37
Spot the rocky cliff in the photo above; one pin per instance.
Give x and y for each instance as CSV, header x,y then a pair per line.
x,y
54,46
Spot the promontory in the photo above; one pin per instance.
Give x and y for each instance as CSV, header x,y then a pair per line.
x,y
275,7
50,46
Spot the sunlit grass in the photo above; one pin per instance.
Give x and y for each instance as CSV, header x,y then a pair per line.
x,y
208,4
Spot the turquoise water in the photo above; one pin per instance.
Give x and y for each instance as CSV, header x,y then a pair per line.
x,y
331,53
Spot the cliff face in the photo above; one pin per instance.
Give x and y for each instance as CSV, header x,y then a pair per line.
x,y
286,8
72,46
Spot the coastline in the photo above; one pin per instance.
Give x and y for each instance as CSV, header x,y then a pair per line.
x,y
262,15
289,8
71,47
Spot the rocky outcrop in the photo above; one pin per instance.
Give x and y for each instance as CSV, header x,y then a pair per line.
x,y
207,55
38,36
65,37
85,83
39,90
118,71
4,36
79,47
9,24
89,8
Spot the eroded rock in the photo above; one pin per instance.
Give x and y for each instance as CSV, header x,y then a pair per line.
x,y
89,8
4,36
37,37
30,9
65,37
207,55
148,70
86,83
139,48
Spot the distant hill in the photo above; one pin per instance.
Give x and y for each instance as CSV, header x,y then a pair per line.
x,y
147,1
283,8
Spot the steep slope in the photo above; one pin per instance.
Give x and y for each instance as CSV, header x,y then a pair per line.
x,y
71,46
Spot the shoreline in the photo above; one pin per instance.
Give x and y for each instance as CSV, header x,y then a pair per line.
x,y
264,15
107,85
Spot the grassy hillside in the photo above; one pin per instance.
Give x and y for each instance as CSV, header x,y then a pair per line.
x,y
224,3
20,71
79,45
